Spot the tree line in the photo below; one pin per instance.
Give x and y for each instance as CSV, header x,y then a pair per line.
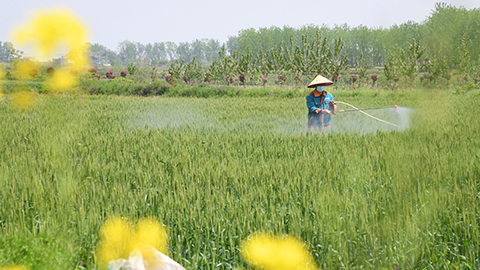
x,y
434,47
158,53
441,34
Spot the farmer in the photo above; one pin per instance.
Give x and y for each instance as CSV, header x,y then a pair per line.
x,y
320,104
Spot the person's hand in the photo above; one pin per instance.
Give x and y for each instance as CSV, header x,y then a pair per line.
x,y
325,112
318,111
331,103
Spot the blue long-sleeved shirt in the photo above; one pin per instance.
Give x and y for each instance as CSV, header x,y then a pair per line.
x,y
319,100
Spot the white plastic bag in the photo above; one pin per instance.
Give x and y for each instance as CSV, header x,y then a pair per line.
x,y
135,261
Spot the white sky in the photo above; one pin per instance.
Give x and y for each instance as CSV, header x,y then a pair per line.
x,y
149,21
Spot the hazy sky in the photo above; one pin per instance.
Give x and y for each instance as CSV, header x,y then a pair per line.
x,y
149,21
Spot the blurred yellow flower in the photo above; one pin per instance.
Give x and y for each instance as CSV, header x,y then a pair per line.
x,y
50,30
23,100
61,80
150,232
25,69
119,239
276,253
115,234
78,56
1,74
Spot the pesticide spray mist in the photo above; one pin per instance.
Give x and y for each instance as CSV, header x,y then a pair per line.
x,y
356,122
172,117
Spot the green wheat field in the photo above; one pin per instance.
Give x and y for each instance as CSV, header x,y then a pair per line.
x,y
216,170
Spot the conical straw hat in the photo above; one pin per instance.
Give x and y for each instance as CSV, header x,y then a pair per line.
x,y
320,81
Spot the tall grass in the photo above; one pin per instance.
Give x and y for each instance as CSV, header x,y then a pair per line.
x,y
216,170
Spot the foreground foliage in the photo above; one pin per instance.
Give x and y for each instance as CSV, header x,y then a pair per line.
x,y
217,170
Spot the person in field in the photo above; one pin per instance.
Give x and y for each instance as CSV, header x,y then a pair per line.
x,y
320,104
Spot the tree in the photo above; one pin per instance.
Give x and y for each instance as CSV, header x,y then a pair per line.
x,y
265,66
232,44
171,49
320,55
339,61
379,48
224,67
361,67
193,72
411,63
244,65
127,51
393,64
444,28
158,52
184,51
148,54
101,54
476,71
401,35
211,51
141,51
463,61
199,48
359,45
6,50
436,66
176,70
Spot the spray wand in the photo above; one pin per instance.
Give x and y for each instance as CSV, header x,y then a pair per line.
x,y
355,109
364,109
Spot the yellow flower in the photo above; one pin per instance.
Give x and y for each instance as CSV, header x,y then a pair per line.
x,y
119,239
116,234
78,56
62,80
277,253
23,100
50,30
25,69
152,233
